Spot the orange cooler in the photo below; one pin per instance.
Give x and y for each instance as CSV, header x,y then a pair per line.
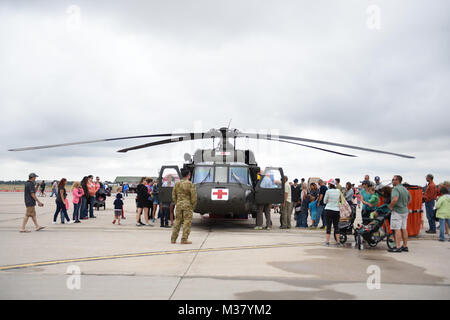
x,y
415,211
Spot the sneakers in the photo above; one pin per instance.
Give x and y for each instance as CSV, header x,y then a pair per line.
x,y
395,250
173,241
431,231
326,244
114,221
71,221
258,228
186,242
54,222
139,225
77,221
268,228
404,249
153,220
338,244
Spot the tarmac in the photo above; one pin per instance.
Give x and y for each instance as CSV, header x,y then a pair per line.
x,y
228,260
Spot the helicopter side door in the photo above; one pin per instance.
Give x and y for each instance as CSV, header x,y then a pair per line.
x,y
168,176
270,188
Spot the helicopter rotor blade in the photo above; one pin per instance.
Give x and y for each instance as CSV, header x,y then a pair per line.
x,y
312,147
99,140
280,137
187,137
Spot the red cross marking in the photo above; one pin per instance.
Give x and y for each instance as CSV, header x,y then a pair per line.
x,y
220,193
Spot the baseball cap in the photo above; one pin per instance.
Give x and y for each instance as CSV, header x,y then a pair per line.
x,y
295,180
332,181
32,175
377,178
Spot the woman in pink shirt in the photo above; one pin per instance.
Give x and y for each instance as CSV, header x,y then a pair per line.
x,y
77,193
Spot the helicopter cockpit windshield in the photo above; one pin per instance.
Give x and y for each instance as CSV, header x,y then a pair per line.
x,y
239,175
203,174
221,174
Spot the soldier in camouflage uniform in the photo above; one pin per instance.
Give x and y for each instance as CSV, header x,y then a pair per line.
x,y
184,196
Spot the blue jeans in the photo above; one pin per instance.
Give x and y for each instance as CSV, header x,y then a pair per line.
x,y
165,215
320,215
53,192
442,228
429,207
76,210
61,207
83,208
302,218
91,206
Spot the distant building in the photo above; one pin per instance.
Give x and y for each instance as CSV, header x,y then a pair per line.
x,y
127,179
132,181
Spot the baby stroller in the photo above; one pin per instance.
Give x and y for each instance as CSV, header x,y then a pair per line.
x,y
376,231
108,191
100,198
346,225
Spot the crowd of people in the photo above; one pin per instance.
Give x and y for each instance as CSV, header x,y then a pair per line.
x,y
321,201
325,201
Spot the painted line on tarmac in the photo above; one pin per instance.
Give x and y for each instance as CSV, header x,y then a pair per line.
x,y
155,253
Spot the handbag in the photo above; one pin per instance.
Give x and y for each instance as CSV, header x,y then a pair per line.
x,y
345,210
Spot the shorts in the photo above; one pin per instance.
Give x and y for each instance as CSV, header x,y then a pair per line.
x,y
117,212
141,204
399,220
148,204
31,211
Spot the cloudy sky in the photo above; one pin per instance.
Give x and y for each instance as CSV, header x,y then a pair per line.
x,y
368,73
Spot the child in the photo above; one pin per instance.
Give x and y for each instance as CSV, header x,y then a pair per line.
x,y
313,208
119,191
373,201
165,214
77,193
118,207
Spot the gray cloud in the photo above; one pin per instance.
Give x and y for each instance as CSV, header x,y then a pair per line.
x,y
311,69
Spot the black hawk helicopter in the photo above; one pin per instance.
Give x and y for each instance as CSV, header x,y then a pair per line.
x,y
228,181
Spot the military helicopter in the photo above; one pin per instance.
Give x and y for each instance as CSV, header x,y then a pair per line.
x,y
228,181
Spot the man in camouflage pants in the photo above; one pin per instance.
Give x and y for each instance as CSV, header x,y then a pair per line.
x,y
184,196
